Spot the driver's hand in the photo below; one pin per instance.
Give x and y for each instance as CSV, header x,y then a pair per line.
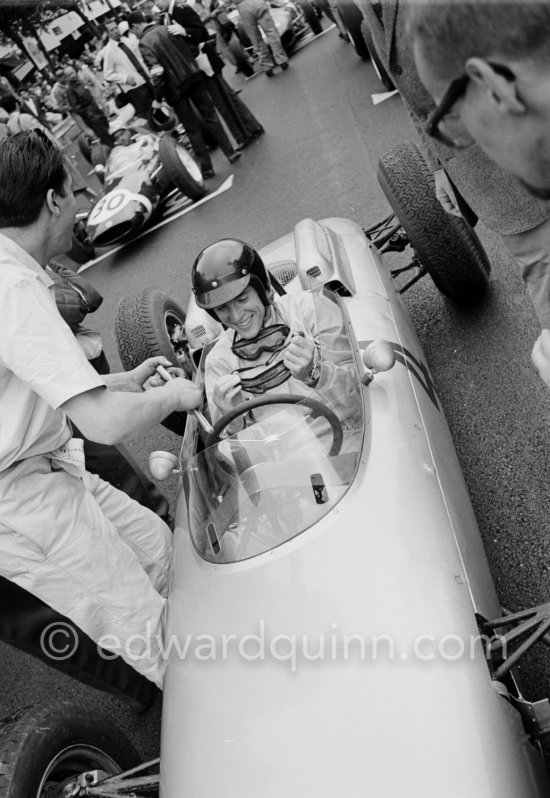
x,y
131,81
299,357
227,392
541,356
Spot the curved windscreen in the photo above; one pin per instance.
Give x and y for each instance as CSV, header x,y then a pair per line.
x,y
293,457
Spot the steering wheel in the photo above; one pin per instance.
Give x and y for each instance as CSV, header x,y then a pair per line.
x,y
318,410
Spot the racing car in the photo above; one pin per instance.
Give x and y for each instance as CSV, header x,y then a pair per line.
x,y
137,177
334,628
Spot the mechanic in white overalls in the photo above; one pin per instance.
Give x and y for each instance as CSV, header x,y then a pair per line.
x,y
280,338
66,536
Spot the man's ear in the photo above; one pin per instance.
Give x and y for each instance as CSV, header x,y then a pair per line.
x,y
52,202
502,90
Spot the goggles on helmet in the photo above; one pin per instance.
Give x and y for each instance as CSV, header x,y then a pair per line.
x,y
264,380
269,339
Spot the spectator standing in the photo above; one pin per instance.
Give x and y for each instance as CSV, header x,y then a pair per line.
x,y
91,80
82,103
122,67
182,20
58,94
176,75
256,17
68,537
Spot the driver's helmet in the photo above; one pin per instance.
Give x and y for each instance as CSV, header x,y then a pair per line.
x,y
224,269
117,125
161,118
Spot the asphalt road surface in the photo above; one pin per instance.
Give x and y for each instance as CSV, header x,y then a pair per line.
x,y
318,159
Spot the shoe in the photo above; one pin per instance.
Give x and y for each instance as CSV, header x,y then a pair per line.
x,y
258,132
206,173
234,156
284,66
269,73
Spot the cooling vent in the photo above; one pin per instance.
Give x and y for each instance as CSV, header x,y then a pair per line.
x,y
314,271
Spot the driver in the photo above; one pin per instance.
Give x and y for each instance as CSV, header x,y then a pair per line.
x,y
294,344
130,146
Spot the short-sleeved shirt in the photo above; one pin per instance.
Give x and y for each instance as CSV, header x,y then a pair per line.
x,y
41,363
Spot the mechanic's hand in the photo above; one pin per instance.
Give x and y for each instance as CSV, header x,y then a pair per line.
x,y
299,356
156,104
541,356
131,81
227,392
445,194
176,29
145,375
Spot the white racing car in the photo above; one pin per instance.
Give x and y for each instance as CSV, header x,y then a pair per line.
x,y
334,629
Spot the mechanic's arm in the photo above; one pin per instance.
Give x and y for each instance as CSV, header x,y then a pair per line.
x,y
126,409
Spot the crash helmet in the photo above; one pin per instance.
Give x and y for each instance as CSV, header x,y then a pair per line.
x,y
161,118
224,269
117,124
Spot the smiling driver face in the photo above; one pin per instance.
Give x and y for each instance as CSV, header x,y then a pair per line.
x,y
245,314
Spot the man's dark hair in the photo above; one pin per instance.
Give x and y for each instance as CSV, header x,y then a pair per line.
x,y
135,17
452,31
30,165
9,103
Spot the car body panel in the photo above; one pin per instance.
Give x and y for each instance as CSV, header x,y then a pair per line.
x,y
396,571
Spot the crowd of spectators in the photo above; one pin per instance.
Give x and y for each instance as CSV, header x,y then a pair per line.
x,y
116,70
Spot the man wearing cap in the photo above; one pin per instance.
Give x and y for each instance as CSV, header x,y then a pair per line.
x,y
125,69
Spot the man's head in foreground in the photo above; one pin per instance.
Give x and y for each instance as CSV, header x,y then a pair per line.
x,y
487,65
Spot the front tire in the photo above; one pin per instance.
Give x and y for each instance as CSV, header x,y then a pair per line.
x,y
44,748
447,246
81,249
149,324
181,169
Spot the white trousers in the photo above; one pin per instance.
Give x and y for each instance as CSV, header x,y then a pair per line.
x,y
532,251
91,553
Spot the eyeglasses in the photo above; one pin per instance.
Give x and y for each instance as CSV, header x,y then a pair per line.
x,y
268,378
456,90
269,339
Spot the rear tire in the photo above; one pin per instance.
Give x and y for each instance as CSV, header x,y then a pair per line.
x,y
447,246
311,17
353,19
44,748
181,168
146,325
